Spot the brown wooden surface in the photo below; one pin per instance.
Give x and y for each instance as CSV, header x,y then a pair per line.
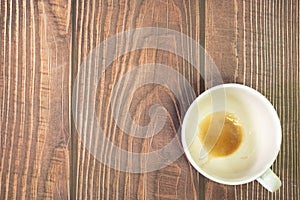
x,y
96,22
35,46
257,43
42,46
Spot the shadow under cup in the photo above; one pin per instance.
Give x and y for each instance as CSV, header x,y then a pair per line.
x,y
261,134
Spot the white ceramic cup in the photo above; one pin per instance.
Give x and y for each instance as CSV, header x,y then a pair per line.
x,y
261,136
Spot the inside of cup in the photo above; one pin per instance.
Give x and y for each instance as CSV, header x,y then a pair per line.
x,y
261,134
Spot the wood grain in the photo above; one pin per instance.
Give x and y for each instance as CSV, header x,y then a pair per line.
x,y
42,47
34,99
257,43
96,21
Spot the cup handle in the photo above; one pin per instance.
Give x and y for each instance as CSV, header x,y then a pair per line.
x,y
270,181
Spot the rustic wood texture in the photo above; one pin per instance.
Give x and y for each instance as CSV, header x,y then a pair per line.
x,y
96,21
42,47
34,99
257,43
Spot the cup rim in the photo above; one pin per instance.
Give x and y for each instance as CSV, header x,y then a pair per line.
x,y
186,146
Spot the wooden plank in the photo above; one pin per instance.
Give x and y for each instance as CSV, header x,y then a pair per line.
x,y
34,99
95,22
257,43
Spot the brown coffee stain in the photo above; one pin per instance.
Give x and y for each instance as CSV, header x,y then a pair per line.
x,y
221,133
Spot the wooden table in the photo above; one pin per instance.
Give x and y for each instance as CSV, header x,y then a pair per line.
x,y
42,47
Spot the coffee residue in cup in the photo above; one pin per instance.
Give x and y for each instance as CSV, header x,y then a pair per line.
x,y
221,133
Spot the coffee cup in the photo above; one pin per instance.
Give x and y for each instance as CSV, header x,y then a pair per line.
x,y
244,152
